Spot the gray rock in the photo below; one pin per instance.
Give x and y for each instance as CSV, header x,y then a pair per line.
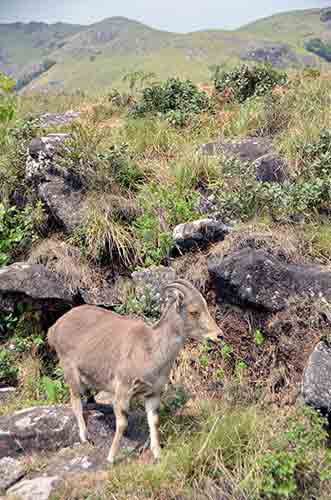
x,y
35,285
50,119
11,471
65,203
199,233
50,428
40,163
325,15
258,279
316,387
6,392
271,168
246,149
39,488
61,191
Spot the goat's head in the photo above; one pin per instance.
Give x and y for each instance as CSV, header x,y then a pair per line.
x,y
193,309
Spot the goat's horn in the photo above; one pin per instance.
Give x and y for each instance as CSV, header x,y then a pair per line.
x,y
182,285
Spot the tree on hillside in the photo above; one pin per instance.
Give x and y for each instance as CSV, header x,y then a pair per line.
x,y
135,77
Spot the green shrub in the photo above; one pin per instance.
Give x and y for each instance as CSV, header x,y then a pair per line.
x,y
17,229
320,48
7,100
163,207
299,461
247,82
175,99
8,370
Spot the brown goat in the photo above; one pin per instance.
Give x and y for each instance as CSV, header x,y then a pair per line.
x,y
124,356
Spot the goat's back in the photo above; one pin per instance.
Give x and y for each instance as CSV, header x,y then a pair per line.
x,y
93,336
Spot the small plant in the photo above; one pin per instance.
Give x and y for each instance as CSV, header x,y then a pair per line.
x,y
247,82
226,351
258,337
54,388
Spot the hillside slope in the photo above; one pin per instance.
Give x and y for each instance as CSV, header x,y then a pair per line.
x,y
105,51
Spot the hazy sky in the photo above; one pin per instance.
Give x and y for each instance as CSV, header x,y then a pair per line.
x,y
172,15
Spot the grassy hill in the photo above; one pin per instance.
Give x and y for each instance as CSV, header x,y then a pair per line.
x,y
96,57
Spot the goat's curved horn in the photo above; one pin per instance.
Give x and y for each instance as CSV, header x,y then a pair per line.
x,y
183,286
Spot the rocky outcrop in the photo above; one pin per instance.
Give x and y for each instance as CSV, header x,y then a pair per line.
x,y
316,388
11,471
325,15
61,191
277,54
258,279
33,284
269,167
49,428
199,233
56,119
39,488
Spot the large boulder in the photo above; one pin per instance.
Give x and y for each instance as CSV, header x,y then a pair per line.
x,y
316,387
258,279
50,428
33,284
269,167
199,233
61,191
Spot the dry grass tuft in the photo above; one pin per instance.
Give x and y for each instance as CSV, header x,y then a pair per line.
x,y
66,260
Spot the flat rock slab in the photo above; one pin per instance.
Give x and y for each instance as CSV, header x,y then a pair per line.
x,y
39,488
247,149
49,428
53,119
33,284
11,471
258,279
316,387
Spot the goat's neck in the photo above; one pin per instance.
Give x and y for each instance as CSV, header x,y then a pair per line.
x,y
169,337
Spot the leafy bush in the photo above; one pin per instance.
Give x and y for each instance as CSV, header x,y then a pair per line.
x,y
296,463
163,208
16,229
7,101
176,99
247,82
8,370
320,48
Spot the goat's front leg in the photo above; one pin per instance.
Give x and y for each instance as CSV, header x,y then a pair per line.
x,y
120,410
152,406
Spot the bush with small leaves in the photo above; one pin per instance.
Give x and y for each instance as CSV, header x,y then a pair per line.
x,y
247,82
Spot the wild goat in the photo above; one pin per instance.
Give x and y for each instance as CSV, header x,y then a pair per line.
x,y
124,356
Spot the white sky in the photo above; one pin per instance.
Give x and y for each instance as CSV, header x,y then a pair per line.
x,y
171,15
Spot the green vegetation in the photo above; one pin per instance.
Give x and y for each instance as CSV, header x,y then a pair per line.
x,y
142,174
322,49
245,82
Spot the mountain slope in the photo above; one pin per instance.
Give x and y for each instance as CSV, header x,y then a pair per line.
x,y
96,57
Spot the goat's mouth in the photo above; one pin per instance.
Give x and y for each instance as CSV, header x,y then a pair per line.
x,y
214,335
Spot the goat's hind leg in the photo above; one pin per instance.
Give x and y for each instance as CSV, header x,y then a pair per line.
x,y
121,408
77,408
